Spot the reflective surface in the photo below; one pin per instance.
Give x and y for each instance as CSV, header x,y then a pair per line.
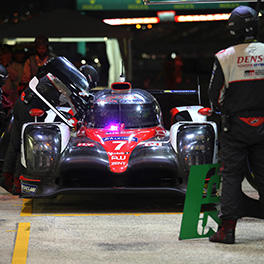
x,y
195,144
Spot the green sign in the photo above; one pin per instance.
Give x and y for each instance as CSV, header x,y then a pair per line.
x,y
200,193
97,5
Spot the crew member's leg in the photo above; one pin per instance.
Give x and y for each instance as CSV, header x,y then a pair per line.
x,y
256,160
234,154
13,151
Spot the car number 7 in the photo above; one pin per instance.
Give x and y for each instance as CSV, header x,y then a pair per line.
x,y
120,144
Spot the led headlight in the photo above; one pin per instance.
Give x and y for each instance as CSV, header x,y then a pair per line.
x,y
195,145
42,146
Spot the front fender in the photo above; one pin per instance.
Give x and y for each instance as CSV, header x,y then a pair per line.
x,y
42,145
195,143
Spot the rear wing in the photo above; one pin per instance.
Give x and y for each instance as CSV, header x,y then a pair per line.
x,y
176,92
179,92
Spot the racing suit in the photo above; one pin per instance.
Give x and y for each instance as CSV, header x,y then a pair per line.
x,y
31,69
24,104
237,89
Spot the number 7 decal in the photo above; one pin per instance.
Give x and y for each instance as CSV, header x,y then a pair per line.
x,y
120,144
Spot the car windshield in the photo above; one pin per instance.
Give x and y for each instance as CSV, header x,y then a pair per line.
x,y
129,115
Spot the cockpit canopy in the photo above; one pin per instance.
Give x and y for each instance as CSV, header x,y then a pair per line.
x,y
137,109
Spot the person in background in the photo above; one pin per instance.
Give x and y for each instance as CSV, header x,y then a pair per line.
x,y
236,89
6,55
48,88
173,71
35,61
15,71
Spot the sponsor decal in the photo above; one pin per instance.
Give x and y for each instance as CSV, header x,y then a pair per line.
x,y
249,73
259,72
152,144
117,153
119,163
253,72
28,188
85,144
250,59
119,132
120,138
245,65
119,157
258,64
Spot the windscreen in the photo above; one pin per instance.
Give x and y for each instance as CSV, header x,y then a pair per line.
x,y
129,115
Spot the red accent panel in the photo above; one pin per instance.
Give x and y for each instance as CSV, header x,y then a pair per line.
x,y
206,111
247,80
74,120
119,144
23,96
114,86
174,111
253,121
22,178
221,51
36,112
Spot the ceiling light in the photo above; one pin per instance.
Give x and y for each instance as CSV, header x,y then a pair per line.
x,y
131,21
199,18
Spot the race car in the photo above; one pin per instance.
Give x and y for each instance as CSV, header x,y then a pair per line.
x,y
121,145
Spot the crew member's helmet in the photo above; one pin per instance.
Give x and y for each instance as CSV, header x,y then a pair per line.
x,y
69,82
91,75
3,74
243,23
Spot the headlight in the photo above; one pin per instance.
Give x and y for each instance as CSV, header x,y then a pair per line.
x,y
42,146
195,145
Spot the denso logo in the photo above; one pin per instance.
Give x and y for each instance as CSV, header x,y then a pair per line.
x,y
250,59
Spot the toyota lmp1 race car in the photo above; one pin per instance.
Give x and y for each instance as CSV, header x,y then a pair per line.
x,y
120,145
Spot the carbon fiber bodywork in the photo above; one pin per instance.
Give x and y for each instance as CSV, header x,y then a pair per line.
x,y
121,146
84,165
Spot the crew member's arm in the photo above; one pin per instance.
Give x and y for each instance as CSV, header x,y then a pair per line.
x,y
26,77
217,86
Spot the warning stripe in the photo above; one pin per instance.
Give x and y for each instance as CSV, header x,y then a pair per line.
x,y
21,246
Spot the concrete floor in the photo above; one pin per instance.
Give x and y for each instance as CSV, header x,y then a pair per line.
x,y
102,236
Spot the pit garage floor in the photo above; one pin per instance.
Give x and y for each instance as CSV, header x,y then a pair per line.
x,y
119,229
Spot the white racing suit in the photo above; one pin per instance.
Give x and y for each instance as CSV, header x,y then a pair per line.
x,y
237,90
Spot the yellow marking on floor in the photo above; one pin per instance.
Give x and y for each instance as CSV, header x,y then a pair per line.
x,y
26,208
102,214
21,246
10,230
